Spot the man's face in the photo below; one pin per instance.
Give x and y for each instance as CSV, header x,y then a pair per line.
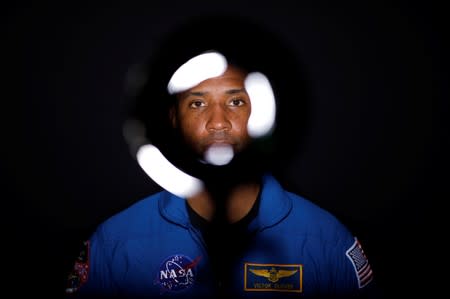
x,y
214,112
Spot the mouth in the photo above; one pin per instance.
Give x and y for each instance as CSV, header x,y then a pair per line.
x,y
219,138
219,142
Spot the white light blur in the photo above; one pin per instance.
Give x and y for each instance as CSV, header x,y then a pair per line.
x,y
219,154
165,174
196,70
262,116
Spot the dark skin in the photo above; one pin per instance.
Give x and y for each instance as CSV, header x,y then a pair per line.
x,y
216,111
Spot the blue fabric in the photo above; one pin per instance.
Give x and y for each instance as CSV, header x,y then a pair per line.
x,y
295,248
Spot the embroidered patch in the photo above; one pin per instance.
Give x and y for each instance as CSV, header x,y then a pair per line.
x,y
273,277
79,274
360,263
177,272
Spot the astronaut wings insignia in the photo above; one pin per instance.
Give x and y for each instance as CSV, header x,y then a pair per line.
x,y
273,275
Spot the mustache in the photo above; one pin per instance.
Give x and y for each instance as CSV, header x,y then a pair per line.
x,y
221,136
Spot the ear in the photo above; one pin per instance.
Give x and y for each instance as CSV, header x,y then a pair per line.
x,y
173,116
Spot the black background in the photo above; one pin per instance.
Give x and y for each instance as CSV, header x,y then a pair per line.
x,y
376,68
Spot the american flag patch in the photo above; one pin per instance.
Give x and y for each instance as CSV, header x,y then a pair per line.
x,y
360,263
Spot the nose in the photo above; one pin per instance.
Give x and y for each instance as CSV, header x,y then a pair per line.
x,y
218,119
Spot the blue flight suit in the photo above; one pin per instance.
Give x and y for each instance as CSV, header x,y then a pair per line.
x,y
294,249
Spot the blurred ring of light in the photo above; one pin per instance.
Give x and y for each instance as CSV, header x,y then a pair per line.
x,y
165,174
219,154
196,70
191,73
262,116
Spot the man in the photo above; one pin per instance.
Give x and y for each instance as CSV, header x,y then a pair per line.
x,y
240,234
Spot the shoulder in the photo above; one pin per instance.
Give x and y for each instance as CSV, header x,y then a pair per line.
x,y
137,219
310,211
302,208
301,213
315,220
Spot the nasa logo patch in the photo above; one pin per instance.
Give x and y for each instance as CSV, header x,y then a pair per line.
x,y
177,272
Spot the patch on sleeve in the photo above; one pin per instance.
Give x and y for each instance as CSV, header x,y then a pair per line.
x,y
360,263
79,274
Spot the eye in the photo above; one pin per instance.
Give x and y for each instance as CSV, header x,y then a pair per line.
x,y
237,102
197,104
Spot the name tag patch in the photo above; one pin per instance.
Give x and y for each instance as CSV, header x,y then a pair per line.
x,y
273,277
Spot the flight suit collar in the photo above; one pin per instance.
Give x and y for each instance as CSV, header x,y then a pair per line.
x,y
274,206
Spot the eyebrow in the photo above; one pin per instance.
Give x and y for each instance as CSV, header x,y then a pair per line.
x,y
202,93
235,91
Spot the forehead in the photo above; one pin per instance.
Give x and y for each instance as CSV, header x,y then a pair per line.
x,y
233,76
